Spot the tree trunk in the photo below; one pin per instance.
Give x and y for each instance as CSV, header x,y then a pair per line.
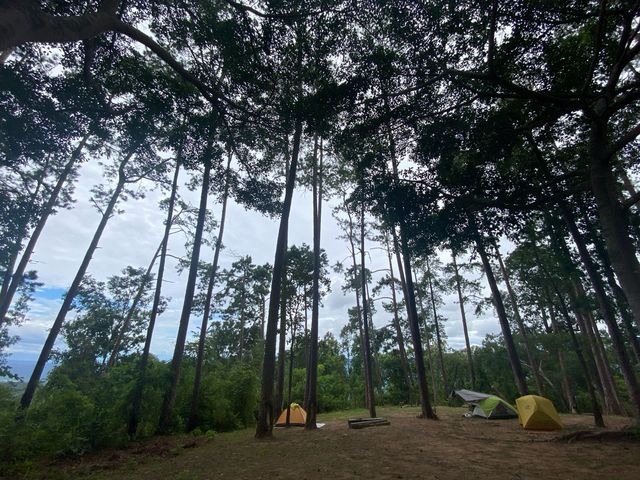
x,y
425,327
136,402
351,236
472,371
595,406
282,351
5,301
607,311
282,331
290,385
412,312
6,279
27,396
7,298
195,396
375,355
176,362
516,367
263,309
611,399
533,364
620,298
5,54
365,310
425,403
578,298
264,427
614,223
445,385
242,322
312,365
404,363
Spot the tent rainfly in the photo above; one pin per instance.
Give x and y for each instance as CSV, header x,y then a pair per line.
x,y
487,406
297,416
537,413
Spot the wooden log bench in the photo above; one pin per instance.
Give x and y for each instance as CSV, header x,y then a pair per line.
x,y
357,423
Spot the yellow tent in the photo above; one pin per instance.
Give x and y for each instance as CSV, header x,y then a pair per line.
x,y
297,417
537,413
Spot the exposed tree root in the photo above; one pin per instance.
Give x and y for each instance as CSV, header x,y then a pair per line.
x,y
627,434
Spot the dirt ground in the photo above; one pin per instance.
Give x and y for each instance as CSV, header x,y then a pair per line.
x,y
454,447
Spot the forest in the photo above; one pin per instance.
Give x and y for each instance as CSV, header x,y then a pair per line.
x,y
475,157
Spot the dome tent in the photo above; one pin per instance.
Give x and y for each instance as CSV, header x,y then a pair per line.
x,y
537,413
297,416
487,406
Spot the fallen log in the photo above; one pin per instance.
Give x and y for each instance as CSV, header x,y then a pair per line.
x,y
368,422
364,419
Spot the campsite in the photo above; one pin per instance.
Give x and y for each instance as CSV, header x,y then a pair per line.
x,y
453,448
319,239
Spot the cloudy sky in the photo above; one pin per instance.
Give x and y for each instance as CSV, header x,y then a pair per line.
x,y
132,238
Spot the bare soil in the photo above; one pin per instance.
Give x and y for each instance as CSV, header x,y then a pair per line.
x,y
453,447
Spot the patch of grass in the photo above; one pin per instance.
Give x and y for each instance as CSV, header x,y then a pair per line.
x,y
382,411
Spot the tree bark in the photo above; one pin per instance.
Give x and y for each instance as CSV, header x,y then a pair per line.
x,y
404,363
618,294
195,396
178,352
595,406
472,371
409,292
425,403
5,54
516,367
27,396
375,355
365,310
312,365
611,399
425,327
351,236
614,223
7,298
136,402
607,311
282,331
290,385
578,298
264,427
282,352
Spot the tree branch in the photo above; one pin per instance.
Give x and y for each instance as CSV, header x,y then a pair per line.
x,y
520,91
596,47
160,51
631,201
623,141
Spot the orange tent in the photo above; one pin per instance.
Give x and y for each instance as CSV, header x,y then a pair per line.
x,y
297,416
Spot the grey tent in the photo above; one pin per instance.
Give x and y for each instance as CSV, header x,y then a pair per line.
x,y
487,406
